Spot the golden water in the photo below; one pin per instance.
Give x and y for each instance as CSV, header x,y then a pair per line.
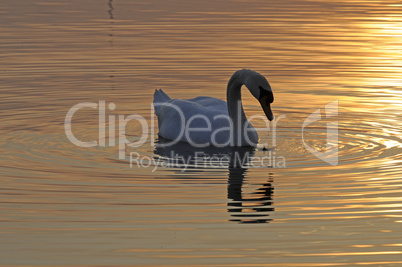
x,y
66,205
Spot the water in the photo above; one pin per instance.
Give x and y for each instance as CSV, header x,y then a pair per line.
x,y
67,205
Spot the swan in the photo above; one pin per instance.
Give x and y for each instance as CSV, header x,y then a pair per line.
x,y
205,121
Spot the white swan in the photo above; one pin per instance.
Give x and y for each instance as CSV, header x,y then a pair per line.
x,y
205,121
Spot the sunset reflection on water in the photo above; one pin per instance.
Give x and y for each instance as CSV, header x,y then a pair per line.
x,y
67,205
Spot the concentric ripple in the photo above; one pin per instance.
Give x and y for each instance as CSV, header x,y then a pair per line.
x,y
290,149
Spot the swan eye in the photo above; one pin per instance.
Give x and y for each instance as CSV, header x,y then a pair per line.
x,y
266,92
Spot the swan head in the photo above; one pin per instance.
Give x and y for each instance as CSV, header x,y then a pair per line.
x,y
260,89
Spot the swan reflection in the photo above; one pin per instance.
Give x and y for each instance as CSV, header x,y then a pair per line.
x,y
254,207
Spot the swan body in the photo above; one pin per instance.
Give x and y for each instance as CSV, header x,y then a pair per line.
x,y
205,121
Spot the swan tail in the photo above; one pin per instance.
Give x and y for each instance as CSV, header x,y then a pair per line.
x,y
160,97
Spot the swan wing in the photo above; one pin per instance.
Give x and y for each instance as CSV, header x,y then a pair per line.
x,y
177,115
160,97
199,120
211,103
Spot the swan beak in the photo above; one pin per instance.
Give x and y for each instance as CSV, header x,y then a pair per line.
x,y
266,107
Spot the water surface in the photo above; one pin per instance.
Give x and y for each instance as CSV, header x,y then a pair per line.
x,y
67,205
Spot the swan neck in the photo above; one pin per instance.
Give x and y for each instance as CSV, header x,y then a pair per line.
x,y
235,107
